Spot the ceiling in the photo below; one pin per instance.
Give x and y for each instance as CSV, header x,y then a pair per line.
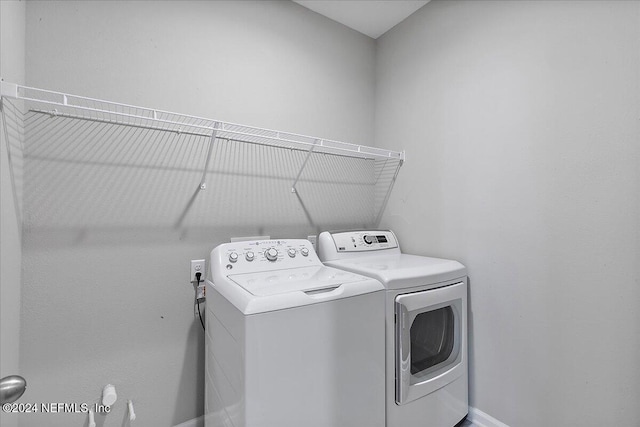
x,y
370,17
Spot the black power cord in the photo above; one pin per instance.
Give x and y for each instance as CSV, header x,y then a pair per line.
x,y
198,276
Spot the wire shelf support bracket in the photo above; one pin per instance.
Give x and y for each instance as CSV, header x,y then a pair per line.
x,y
212,140
306,159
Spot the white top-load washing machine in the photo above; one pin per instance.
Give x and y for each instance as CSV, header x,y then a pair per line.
x,y
290,342
426,325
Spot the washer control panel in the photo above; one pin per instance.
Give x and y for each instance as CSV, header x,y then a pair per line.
x,y
264,255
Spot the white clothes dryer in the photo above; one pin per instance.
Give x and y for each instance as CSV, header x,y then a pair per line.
x,y
291,342
426,325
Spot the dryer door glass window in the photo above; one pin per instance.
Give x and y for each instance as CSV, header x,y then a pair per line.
x,y
432,338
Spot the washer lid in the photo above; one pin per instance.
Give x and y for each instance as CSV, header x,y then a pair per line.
x,y
305,279
254,293
397,271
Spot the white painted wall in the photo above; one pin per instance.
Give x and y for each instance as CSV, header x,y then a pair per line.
x,y
520,121
261,63
105,295
521,125
12,63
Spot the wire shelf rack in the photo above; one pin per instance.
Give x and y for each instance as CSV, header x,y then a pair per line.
x,y
329,183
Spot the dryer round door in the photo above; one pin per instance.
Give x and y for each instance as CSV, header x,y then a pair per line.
x,y
430,340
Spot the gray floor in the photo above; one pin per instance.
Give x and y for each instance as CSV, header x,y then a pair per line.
x,y
466,423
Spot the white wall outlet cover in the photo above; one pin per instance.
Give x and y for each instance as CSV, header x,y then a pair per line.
x,y
197,266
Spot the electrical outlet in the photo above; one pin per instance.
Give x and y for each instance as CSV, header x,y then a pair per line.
x,y
197,266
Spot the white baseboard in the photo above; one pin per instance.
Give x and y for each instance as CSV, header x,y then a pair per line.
x,y
196,422
481,419
476,416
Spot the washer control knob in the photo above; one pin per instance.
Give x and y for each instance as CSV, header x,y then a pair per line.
x,y
292,252
233,257
304,252
271,254
368,240
249,256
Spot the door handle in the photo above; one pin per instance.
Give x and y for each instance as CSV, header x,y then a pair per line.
x,y
11,388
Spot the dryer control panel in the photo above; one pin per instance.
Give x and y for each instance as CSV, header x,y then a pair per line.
x,y
331,245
